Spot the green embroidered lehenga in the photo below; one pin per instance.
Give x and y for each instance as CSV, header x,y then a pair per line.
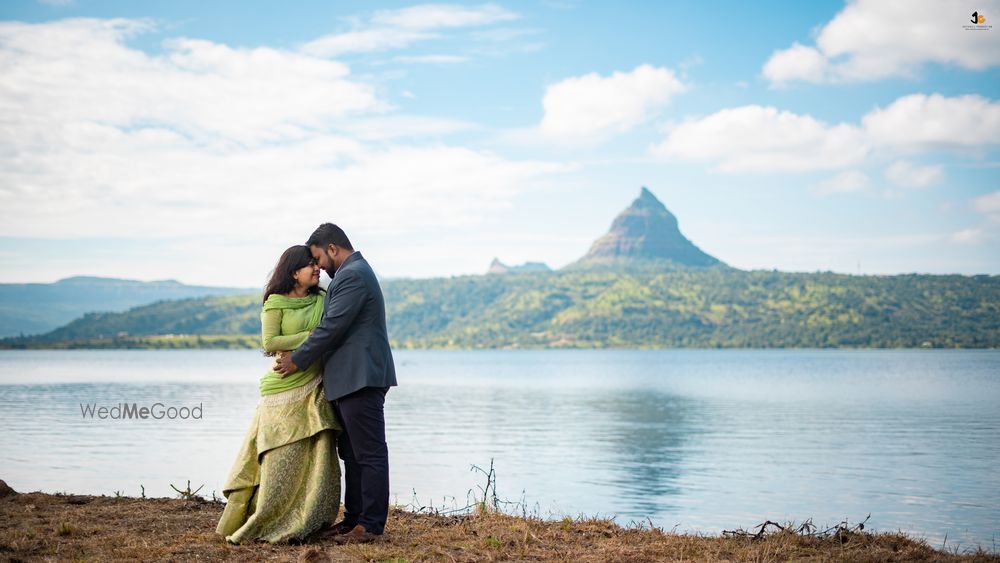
x,y
285,483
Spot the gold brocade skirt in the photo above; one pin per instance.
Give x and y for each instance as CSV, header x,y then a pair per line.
x,y
285,483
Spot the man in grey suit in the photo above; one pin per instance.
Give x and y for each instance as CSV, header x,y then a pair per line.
x,y
358,370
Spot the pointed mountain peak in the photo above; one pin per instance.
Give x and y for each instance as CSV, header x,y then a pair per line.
x,y
645,231
647,199
497,267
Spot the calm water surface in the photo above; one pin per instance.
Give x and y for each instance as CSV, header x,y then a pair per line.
x,y
703,440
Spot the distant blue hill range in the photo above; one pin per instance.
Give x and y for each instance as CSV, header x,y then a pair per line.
x,y
33,308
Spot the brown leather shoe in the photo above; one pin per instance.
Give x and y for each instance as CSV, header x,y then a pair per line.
x,y
341,527
357,535
332,531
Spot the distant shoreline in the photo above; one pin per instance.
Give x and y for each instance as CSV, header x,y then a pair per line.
x,y
249,342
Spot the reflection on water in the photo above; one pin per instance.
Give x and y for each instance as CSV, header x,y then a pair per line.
x,y
701,439
642,439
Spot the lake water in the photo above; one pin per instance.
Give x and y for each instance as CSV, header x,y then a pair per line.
x,y
703,440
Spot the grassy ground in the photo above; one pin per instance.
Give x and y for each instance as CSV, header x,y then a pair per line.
x,y
39,526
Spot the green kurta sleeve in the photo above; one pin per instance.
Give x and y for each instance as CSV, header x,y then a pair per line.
x,y
271,337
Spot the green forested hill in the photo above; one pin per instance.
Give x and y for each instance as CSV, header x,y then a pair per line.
x,y
696,308
641,308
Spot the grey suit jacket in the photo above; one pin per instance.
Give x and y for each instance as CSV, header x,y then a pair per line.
x,y
351,338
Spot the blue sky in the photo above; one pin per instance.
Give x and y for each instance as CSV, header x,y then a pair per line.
x,y
195,141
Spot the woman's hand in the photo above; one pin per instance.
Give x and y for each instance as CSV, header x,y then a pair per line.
x,y
284,365
276,364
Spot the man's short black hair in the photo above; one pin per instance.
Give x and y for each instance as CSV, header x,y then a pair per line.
x,y
327,234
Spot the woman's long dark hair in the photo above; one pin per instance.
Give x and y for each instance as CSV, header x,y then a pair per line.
x,y
282,277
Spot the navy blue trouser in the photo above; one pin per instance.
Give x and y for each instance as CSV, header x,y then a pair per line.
x,y
366,458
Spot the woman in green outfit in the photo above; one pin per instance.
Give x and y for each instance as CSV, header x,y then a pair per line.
x,y
285,483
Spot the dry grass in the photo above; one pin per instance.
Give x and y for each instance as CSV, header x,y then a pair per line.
x,y
38,526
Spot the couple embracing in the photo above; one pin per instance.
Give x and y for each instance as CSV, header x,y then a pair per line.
x,y
324,395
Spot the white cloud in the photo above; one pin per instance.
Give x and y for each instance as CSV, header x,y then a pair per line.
x,y
761,138
919,121
395,29
437,185
431,59
435,16
131,186
72,73
908,175
849,181
363,41
986,232
989,205
764,138
842,252
798,62
874,39
971,236
401,127
503,34
593,104
101,139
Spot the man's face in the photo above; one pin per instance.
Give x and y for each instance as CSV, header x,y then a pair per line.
x,y
324,258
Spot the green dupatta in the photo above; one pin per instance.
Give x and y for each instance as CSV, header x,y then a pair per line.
x,y
285,324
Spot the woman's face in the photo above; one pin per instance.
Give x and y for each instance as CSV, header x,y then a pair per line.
x,y
308,275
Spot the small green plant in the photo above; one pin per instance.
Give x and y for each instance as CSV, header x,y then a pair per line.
x,y
490,500
493,542
65,529
187,493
